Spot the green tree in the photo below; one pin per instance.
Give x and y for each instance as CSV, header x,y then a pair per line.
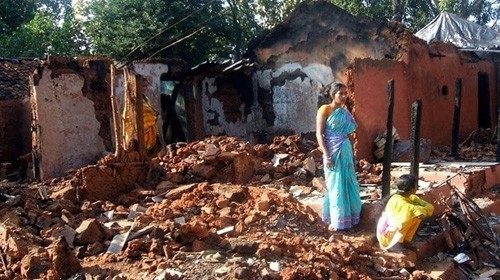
x,y
13,13
223,28
417,13
53,30
271,12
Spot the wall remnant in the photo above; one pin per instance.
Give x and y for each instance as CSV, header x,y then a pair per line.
x,y
71,114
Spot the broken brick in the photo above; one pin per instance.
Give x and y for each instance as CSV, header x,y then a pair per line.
x,y
236,194
204,170
89,231
32,265
244,168
64,262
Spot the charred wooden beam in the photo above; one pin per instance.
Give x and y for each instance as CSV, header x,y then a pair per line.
x,y
386,173
498,134
456,119
416,118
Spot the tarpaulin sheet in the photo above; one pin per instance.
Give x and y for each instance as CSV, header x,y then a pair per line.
x,y
448,27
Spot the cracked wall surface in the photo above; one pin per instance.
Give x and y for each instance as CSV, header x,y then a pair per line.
x,y
228,107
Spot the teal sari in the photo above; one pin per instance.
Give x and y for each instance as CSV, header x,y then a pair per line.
x,y
342,202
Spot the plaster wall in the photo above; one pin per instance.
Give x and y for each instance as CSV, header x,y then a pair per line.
x,y
152,73
67,133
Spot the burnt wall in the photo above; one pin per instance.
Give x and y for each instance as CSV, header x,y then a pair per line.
x,y
15,132
221,102
429,74
311,49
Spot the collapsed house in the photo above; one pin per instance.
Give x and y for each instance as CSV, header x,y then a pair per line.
x,y
71,110
320,43
224,208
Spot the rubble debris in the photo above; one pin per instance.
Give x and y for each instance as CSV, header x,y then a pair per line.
x,y
89,231
369,173
196,226
64,262
249,231
290,160
480,145
118,242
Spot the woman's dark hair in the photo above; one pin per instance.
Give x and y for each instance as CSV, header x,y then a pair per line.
x,y
335,86
406,183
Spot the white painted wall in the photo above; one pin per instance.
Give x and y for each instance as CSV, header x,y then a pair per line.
x,y
296,102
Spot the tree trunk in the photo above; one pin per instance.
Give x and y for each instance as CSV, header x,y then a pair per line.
x,y
236,26
397,11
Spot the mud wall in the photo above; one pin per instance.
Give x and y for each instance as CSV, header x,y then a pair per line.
x,y
426,73
71,113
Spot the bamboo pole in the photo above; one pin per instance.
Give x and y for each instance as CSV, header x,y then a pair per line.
x,y
139,117
127,99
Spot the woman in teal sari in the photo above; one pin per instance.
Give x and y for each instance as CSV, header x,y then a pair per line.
x,y
334,124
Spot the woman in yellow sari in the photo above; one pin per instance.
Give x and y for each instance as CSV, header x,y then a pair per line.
x,y
403,213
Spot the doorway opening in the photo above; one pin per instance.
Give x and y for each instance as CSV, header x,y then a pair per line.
x,y
173,107
483,96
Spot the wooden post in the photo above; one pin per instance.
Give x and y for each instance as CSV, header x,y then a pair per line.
x,y
127,101
416,116
116,116
456,119
139,117
498,134
386,172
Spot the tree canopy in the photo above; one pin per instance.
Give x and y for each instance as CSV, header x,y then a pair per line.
x,y
193,30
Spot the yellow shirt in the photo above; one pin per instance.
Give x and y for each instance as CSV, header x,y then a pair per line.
x,y
400,209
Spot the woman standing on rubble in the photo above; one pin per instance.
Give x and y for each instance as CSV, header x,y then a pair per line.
x,y
334,126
